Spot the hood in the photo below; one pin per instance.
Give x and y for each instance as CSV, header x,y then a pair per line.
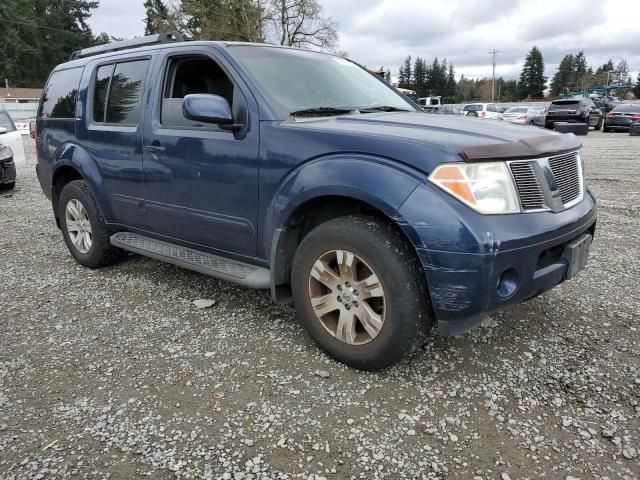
x,y
471,139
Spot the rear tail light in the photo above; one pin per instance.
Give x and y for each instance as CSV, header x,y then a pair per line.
x,y
635,118
522,117
610,116
483,114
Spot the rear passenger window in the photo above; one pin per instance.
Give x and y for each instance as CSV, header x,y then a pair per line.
x,y
59,96
117,95
103,77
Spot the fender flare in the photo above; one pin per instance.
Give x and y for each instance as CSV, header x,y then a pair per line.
x,y
382,183
74,156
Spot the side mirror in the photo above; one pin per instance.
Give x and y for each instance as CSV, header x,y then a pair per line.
x,y
202,107
3,130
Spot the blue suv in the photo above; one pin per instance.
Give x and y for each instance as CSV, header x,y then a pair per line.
x,y
303,173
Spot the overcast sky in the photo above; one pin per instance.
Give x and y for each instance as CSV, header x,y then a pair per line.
x,y
384,32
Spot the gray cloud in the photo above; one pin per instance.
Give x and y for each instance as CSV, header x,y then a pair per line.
x,y
384,32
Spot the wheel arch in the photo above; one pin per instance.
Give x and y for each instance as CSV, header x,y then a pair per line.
x,y
327,188
70,163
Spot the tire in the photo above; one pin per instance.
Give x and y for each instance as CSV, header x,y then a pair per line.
x,y
403,308
472,113
98,252
598,126
606,129
8,186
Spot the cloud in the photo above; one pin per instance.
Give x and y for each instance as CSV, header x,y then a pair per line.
x,y
384,32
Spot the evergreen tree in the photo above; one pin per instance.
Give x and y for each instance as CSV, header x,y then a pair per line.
x,y
28,50
532,79
157,17
636,88
404,77
564,77
451,82
621,72
419,77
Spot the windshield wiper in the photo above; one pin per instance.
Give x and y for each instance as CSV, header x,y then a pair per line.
x,y
383,108
321,111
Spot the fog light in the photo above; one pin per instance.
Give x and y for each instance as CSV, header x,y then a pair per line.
x,y
508,283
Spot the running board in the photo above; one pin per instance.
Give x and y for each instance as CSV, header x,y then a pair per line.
x,y
219,267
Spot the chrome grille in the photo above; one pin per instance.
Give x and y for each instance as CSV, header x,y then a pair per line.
x,y
567,172
531,197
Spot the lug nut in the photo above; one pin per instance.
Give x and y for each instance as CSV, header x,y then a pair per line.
x,y
355,304
339,287
340,299
347,284
356,293
347,307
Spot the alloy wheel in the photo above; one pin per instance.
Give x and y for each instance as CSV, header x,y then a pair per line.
x,y
347,297
78,225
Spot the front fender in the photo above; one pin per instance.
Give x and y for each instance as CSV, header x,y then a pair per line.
x,y
74,156
378,182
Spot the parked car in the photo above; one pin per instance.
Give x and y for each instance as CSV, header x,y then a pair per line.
x,y
449,110
11,137
303,173
525,115
621,117
427,102
606,104
7,167
574,110
481,110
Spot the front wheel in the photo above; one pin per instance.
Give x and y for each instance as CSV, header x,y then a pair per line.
x,y
360,293
83,227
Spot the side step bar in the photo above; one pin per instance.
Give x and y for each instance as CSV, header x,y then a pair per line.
x,y
225,269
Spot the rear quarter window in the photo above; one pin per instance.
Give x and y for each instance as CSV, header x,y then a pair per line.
x,y
60,94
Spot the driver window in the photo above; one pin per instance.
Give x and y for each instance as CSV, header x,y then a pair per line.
x,y
188,75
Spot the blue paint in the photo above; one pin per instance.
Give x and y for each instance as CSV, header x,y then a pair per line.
x,y
229,191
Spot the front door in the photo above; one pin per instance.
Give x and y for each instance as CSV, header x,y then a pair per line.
x,y
201,182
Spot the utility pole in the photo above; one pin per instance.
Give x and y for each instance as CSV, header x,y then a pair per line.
x,y
493,53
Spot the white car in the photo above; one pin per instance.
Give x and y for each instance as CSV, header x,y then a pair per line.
x,y
10,136
481,110
22,126
525,115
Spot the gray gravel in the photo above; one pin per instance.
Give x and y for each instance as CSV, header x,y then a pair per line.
x,y
120,373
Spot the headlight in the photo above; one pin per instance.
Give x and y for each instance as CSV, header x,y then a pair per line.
x,y
486,187
5,152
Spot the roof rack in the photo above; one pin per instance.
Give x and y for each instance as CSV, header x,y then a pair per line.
x,y
126,44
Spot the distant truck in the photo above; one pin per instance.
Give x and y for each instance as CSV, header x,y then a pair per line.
x,y
428,102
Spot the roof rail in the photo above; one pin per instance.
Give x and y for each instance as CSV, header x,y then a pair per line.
x,y
126,44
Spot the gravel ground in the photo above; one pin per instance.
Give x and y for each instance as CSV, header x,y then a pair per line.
x,y
117,374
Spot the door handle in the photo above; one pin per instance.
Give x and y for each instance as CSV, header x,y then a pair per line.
x,y
153,148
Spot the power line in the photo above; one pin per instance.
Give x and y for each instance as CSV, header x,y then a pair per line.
x,y
33,25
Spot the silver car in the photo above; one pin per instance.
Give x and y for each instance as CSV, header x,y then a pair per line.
x,y
525,115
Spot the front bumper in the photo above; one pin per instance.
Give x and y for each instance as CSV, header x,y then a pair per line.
x,y
7,172
478,264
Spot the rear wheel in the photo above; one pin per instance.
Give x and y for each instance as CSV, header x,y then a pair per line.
x,y
83,227
360,293
8,186
598,126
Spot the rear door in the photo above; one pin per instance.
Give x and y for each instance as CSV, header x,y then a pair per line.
x,y
112,131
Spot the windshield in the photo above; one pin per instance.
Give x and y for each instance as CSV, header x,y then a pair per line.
x,y
297,80
476,107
